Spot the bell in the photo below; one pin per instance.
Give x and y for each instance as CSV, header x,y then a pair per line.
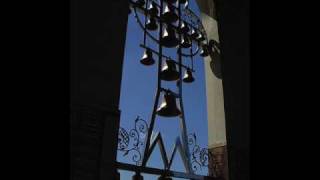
x,y
200,37
169,71
140,3
204,51
194,34
169,14
184,28
137,176
169,38
188,78
153,9
186,5
152,24
185,41
147,58
168,107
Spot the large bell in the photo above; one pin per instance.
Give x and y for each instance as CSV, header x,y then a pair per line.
x,y
188,78
169,38
152,24
194,34
147,58
168,107
153,9
185,41
204,51
169,71
169,14
184,28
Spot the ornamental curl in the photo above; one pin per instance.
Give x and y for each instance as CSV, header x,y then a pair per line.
x,y
131,143
200,157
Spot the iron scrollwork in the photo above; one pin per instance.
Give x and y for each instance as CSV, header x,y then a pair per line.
x,y
200,157
130,142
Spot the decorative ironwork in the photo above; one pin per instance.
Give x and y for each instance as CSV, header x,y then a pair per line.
x,y
201,157
188,33
130,142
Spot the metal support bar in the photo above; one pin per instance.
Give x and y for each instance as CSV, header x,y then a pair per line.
x,y
156,171
182,122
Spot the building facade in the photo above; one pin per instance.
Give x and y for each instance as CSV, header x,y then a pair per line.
x,y
217,141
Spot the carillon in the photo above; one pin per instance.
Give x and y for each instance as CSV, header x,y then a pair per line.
x,y
169,24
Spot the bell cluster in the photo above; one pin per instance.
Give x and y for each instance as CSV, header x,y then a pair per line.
x,y
167,15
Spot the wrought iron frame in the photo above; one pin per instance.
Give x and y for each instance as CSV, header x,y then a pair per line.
x,y
142,149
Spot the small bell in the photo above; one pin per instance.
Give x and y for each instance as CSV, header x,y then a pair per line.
x,y
140,3
186,5
152,24
169,14
168,107
204,51
185,41
137,176
194,34
188,78
200,37
184,28
169,71
147,58
169,38
153,9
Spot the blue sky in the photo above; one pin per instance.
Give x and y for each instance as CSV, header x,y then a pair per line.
x,y
138,90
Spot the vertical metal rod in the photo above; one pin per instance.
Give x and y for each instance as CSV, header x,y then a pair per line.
x,y
183,123
191,52
153,117
145,23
